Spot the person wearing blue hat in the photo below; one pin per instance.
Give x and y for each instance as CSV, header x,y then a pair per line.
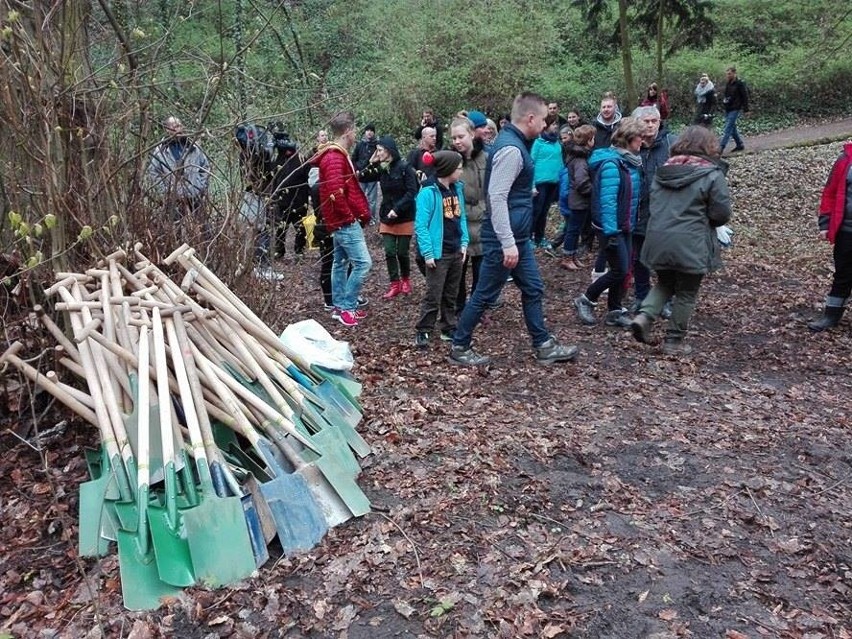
x,y
480,127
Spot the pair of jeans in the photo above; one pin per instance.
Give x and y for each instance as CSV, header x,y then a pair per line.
x,y
548,193
472,263
641,273
326,250
731,130
439,301
575,223
616,249
397,256
350,250
492,278
684,287
371,192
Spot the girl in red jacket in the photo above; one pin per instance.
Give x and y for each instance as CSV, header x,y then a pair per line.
x,y
835,226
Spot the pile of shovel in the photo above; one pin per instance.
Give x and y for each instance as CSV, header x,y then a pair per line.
x,y
215,437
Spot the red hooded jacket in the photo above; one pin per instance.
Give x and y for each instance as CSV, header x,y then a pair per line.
x,y
342,201
833,202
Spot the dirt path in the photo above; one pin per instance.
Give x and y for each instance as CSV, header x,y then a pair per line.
x,y
802,135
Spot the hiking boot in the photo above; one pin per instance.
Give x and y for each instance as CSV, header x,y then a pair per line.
x,y
466,356
552,351
347,318
568,264
619,317
421,339
641,327
447,336
831,316
585,310
675,346
405,286
739,148
359,313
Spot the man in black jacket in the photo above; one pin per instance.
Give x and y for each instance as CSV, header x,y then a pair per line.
x,y
736,101
361,159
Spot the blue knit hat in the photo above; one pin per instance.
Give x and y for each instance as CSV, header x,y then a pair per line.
x,y
477,119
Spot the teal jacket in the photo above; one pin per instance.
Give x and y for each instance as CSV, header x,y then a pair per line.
x,y
429,220
547,155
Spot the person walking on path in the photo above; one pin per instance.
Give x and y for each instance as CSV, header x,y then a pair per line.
x,y
705,100
835,226
506,234
689,201
441,227
735,101
345,212
399,188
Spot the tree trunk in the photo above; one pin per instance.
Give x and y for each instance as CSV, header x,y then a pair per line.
x,y
626,55
660,14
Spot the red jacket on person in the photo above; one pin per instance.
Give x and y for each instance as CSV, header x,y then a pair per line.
x,y
833,202
342,201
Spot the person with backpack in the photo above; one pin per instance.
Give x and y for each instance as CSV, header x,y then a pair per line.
x,y
399,188
441,227
690,200
616,191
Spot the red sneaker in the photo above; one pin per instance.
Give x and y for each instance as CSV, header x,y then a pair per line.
x,y
347,318
359,313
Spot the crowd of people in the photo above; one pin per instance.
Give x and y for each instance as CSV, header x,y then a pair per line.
x,y
642,204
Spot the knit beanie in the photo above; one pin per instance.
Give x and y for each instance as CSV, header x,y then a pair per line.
x,y
477,119
445,163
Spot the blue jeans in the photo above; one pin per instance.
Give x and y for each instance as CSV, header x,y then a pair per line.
x,y
575,223
731,130
492,278
617,252
371,191
350,249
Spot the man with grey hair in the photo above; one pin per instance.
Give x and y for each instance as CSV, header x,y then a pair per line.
x,y
505,235
420,157
179,174
656,142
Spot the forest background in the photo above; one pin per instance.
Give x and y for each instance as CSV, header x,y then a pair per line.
x,y
86,84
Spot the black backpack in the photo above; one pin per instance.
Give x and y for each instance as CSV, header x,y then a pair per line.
x,y
251,138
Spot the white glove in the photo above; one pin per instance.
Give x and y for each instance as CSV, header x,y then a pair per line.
x,y
725,235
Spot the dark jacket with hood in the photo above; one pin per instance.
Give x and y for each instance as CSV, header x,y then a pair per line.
x,y
604,130
653,157
363,152
577,162
689,199
398,182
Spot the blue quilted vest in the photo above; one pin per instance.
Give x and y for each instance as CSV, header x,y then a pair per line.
x,y
520,198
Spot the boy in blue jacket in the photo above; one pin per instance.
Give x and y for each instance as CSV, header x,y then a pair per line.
x,y
440,225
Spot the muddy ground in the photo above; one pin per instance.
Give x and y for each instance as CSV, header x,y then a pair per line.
x,y
626,495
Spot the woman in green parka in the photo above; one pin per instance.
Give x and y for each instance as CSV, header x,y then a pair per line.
x,y
689,200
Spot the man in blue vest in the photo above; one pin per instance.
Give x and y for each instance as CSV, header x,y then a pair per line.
x,y
506,232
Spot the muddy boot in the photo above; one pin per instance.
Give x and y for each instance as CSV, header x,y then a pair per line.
x,y
675,346
641,327
830,318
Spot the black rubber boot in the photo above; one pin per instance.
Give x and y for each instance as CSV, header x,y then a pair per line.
x,y
830,318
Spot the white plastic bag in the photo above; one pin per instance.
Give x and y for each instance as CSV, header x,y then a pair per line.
x,y
309,339
252,209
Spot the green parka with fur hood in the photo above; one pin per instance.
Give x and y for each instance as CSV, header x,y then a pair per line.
x,y
689,199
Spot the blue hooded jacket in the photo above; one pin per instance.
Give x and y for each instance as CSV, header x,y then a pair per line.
x,y
616,190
